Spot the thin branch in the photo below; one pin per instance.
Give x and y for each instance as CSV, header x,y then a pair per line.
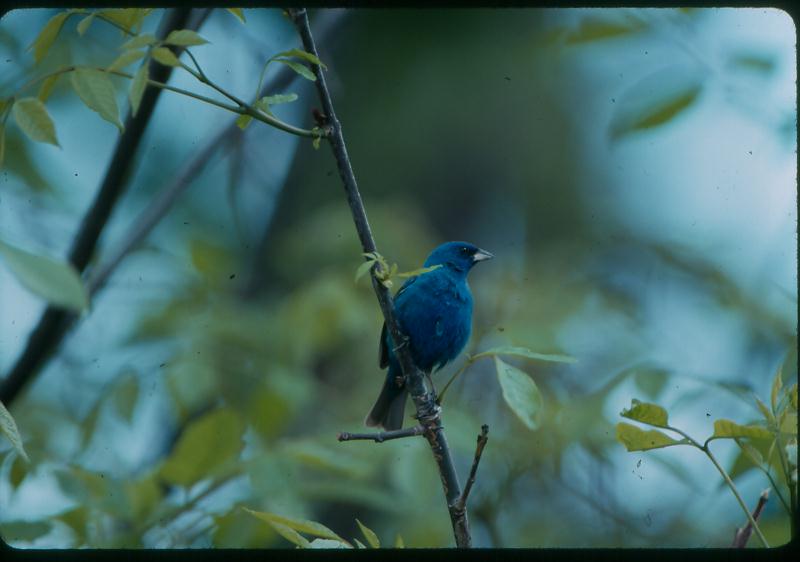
x,y
53,324
743,534
383,435
483,438
428,413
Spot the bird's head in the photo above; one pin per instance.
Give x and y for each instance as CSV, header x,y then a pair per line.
x,y
460,256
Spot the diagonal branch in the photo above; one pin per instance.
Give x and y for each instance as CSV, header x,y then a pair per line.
x,y
743,534
428,413
53,324
483,438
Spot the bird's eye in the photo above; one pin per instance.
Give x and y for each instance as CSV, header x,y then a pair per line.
x,y
464,250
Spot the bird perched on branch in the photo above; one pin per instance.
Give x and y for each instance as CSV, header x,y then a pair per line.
x,y
435,311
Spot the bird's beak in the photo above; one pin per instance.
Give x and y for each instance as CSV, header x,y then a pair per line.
x,y
482,255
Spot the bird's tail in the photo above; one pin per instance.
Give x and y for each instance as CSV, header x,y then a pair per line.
x,y
391,404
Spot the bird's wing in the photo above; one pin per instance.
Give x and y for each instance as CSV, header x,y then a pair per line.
x,y
383,352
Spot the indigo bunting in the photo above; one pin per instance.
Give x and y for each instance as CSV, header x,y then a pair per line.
x,y
435,311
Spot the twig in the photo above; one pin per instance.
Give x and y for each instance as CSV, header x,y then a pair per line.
x,y
53,324
383,435
743,534
428,413
483,437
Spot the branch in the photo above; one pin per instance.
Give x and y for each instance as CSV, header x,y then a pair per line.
x,y
428,413
743,534
53,324
383,435
483,437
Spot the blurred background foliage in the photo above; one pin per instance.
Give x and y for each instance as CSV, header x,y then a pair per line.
x,y
633,171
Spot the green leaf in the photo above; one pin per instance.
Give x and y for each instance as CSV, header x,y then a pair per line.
x,y
126,394
125,59
129,18
520,393
415,272
765,411
593,28
95,89
655,100
301,525
165,56
363,269
651,414
206,445
275,99
48,35
369,534
243,121
24,530
328,543
184,38
777,384
298,68
238,12
138,85
290,534
301,55
32,117
651,381
751,452
726,429
788,423
237,529
637,439
524,352
76,519
18,472
84,24
359,544
143,40
9,428
47,87
57,282
398,542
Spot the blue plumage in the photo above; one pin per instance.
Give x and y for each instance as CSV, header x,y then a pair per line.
x,y
435,311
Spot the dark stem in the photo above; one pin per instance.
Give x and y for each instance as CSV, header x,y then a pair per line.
x,y
428,413
54,322
483,437
383,435
743,534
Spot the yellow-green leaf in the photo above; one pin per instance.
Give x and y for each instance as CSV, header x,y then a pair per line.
x,y
751,452
126,394
520,393
301,525
651,414
207,444
416,272
298,68
184,38
84,24
637,439
524,352
243,121
301,55
363,269
142,40
24,530
138,85
398,542
18,472
32,117
125,59
95,89
165,56
56,282
593,28
47,87
728,429
777,384
359,544
766,412
290,534
369,534
9,428
655,100
238,12
48,35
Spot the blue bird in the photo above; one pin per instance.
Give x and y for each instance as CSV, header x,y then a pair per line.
x,y
435,311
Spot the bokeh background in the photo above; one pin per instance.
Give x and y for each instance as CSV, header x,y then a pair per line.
x,y
633,171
